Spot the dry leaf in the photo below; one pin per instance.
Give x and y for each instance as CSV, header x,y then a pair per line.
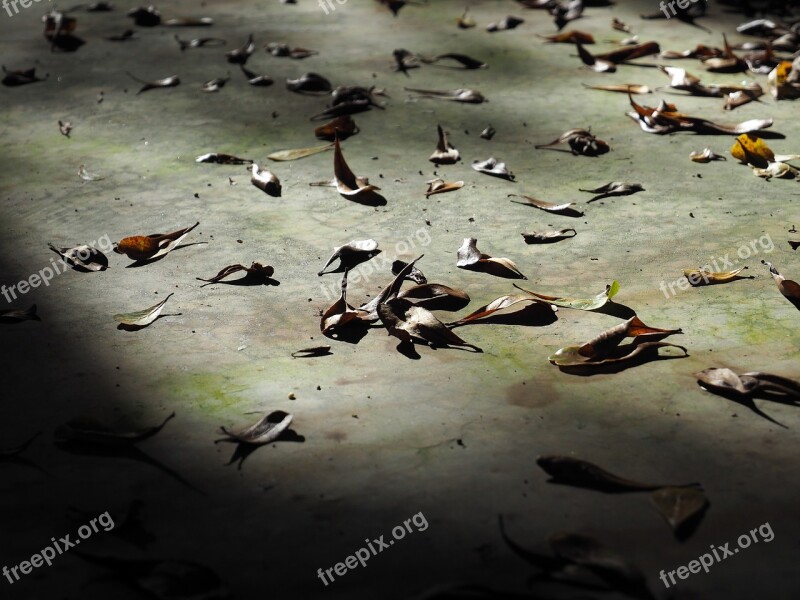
x,y
297,153
465,61
340,316
776,169
700,51
311,83
505,24
595,64
491,166
86,430
265,431
435,296
682,508
256,272
569,37
412,323
626,53
619,25
548,237
701,276
488,133
780,85
86,176
465,21
727,63
472,259
706,156
460,95
497,305
255,79
627,88
414,274
155,245
614,188
343,126
284,50
445,153
15,315
566,470
141,318
171,81
605,343
198,42
240,55
581,141
82,258
404,60
741,97
65,127
223,159
439,186
578,303
563,209
351,255
215,85
346,182
21,77
790,289
265,180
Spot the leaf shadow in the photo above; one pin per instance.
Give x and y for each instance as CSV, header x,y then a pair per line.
x,y
370,198
614,309
646,356
246,281
141,263
244,450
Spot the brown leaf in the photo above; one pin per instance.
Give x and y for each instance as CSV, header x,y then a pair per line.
x,y
82,258
707,155
222,159
340,316
627,53
569,37
255,272
445,153
465,61
472,259
604,344
548,237
265,180
440,186
497,305
564,209
627,88
435,296
614,188
343,126
790,289
595,64
682,508
155,245
412,323
581,141
239,56
351,255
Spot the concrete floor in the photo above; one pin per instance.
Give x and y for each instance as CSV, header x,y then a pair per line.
x,y
454,434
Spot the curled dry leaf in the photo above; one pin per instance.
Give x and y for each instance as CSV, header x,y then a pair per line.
x,y
16,315
414,274
351,255
265,180
740,97
706,156
215,85
790,289
141,318
727,63
340,316
548,237
465,21
569,37
776,169
309,83
783,80
240,55
266,430
614,188
595,64
501,304
465,61
280,49
488,133
627,53
566,470
435,296
167,82
701,276
223,159
728,383
605,343
86,430
346,182
155,245
700,51
86,176
491,166
440,186
620,25
472,259
20,77
578,303
343,127
297,153
65,127
626,88
412,323
581,141
255,79
460,95
505,24
255,272
312,352
445,153
681,507
82,258
562,209
666,119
